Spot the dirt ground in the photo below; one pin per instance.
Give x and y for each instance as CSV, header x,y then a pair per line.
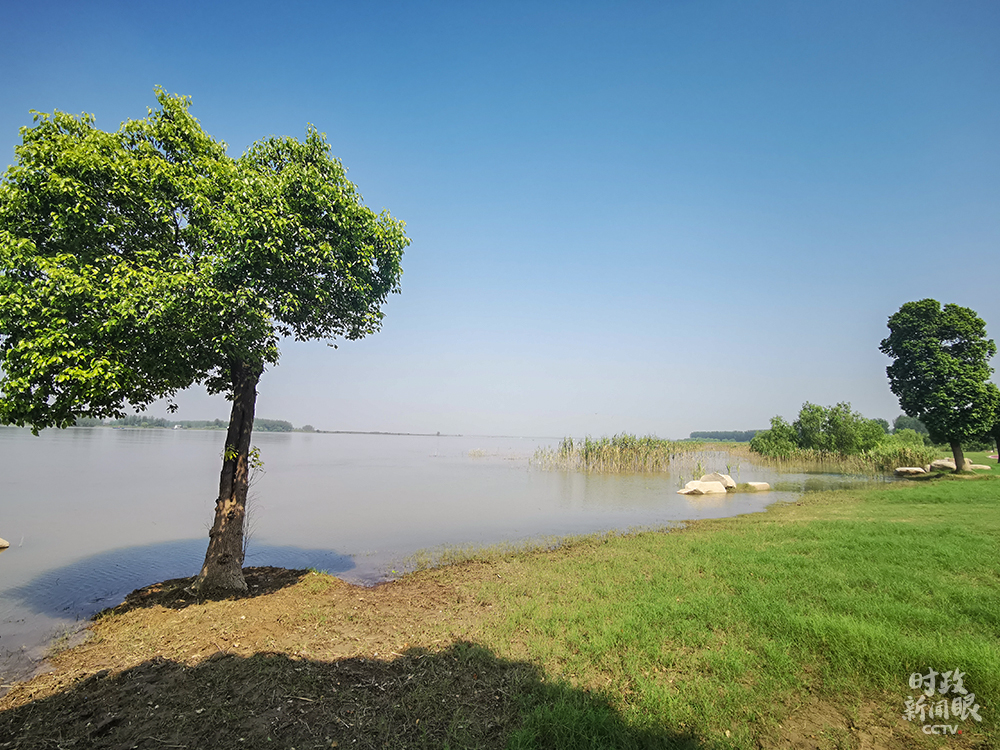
x,y
305,661
308,661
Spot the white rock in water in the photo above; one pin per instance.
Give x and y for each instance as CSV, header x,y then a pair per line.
x,y
909,471
4,544
725,479
759,486
703,488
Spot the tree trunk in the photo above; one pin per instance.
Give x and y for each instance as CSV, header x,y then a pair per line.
x,y
222,573
956,451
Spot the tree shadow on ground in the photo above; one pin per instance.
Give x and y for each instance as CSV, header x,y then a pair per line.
x,y
462,697
87,586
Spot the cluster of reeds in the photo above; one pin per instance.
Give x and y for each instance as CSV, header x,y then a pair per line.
x,y
884,458
625,453
619,454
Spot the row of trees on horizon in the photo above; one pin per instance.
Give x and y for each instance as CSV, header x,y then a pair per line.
x,y
145,421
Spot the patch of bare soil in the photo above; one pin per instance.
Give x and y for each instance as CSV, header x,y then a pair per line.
x,y
820,725
174,593
274,700
320,663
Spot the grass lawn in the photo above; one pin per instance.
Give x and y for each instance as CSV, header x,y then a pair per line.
x,y
798,627
983,459
733,626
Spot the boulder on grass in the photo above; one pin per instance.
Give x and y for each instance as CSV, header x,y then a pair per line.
x,y
910,471
759,486
727,481
948,464
703,488
980,467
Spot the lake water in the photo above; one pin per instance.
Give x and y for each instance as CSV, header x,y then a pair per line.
x,y
92,514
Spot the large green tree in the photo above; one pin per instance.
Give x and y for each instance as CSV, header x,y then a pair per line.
x,y
138,262
941,369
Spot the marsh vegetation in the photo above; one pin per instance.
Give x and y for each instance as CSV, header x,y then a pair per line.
x,y
619,454
835,438
778,449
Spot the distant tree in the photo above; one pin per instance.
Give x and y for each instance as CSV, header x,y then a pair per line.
x,y
832,429
836,429
809,428
142,420
734,436
884,424
308,428
138,262
910,437
940,371
849,432
273,425
903,422
780,441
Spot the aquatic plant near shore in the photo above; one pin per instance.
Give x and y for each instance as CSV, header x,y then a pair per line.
x,y
626,453
619,454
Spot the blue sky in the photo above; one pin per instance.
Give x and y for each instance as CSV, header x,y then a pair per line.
x,y
626,216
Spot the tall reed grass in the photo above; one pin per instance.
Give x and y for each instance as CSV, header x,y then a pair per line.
x,y
623,454
615,455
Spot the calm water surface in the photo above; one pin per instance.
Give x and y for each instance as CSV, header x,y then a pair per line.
x,y
92,514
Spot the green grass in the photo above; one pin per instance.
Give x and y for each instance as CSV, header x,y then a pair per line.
x,y
983,459
733,624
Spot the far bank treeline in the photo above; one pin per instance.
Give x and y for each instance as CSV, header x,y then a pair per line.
x,y
144,421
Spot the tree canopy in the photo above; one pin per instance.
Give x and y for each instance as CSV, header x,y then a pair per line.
x,y
904,422
941,370
832,429
138,262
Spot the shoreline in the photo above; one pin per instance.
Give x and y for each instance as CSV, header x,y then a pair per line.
x,y
519,634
